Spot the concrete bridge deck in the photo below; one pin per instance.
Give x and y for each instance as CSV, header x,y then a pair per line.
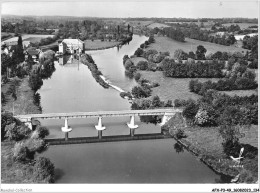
x,y
29,117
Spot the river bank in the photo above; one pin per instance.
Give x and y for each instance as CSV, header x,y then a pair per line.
x,y
87,60
206,144
26,102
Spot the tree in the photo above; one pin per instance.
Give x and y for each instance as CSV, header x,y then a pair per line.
x,y
190,110
43,170
35,82
6,63
142,65
178,54
191,55
140,92
156,102
200,53
139,52
18,55
151,39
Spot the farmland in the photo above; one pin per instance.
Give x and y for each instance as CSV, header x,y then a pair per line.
x,y
241,25
171,88
29,37
159,25
164,44
140,23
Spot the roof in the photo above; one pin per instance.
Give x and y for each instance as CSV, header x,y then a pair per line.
x,y
33,51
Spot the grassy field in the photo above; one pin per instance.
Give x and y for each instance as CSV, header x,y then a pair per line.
x,y
206,144
33,39
26,36
24,104
241,25
135,60
98,44
159,25
164,44
140,23
251,136
171,88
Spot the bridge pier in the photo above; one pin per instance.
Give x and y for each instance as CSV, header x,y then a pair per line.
x,y
99,127
66,129
131,125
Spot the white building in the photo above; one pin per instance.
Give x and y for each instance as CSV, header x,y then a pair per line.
x,y
71,46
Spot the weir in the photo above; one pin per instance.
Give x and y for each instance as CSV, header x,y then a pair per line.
x,y
166,113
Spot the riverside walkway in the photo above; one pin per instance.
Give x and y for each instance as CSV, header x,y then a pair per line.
x,y
166,113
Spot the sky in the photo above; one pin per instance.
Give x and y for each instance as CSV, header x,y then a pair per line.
x,y
136,8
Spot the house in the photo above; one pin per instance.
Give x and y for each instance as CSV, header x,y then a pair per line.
x,y
71,46
33,53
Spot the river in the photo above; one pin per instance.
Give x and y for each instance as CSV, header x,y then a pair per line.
x,y
71,88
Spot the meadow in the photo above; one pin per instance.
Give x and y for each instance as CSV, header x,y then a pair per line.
x,y
241,25
25,37
164,44
159,25
171,88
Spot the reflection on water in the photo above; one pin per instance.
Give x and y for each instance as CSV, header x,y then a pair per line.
x,y
178,148
68,59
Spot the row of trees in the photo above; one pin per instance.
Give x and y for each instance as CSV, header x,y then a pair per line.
x,y
251,43
237,78
155,102
26,27
175,34
204,35
207,69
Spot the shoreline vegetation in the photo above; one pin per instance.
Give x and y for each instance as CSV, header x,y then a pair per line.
x,y
205,144
101,45
87,60
19,144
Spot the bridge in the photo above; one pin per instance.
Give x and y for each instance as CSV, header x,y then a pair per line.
x,y
166,113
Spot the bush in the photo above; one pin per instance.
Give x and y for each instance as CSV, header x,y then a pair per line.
x,y
35,82
142,65
141,92
180,134
128,64
180,102
125,58
151,39
40,132
139,52
152,67
21,153
190,110
35,145
17,131
137,76
43,170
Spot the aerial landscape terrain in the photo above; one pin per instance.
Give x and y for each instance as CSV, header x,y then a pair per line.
x,y
107,100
